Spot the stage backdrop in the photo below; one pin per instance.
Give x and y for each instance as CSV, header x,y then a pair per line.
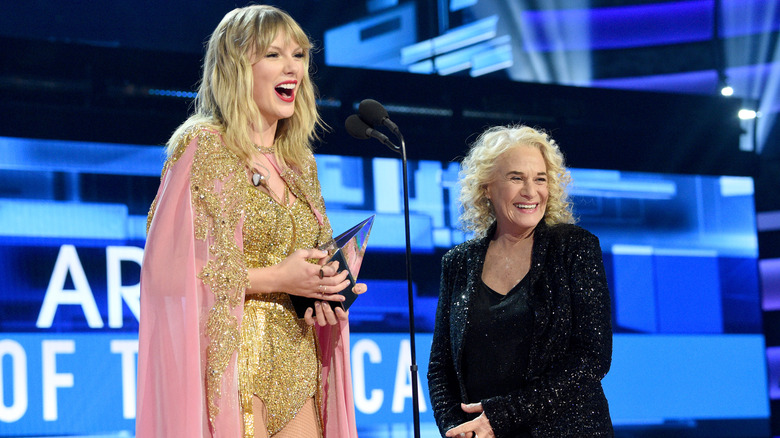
x,y
680,253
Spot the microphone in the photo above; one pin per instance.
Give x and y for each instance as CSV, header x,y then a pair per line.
x,y
374,114
357,128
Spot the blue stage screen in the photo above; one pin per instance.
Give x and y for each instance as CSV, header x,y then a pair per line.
x,y
680,253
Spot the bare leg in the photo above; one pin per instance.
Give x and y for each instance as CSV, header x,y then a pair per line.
x,y
260,413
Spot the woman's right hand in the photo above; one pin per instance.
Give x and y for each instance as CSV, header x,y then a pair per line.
x,y
297,276
477,428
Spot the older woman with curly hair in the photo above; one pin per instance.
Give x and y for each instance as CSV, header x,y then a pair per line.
x,y
523,328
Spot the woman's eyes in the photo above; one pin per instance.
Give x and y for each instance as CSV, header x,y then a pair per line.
x,y
299,55
540,180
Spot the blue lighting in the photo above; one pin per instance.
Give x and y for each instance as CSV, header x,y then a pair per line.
x,y
742,78
457,38
79,156
742,17
374,41
491,60
463,59
696,82
173,93
647,25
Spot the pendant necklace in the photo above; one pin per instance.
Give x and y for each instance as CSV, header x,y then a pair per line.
x,y
257,177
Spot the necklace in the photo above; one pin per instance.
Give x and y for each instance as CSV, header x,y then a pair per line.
x,y
257,177
264,149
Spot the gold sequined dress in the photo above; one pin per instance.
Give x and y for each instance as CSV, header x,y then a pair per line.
x,y
278,356
204,349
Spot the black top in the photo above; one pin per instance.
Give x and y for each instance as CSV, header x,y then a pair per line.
x,y
495,354
571,341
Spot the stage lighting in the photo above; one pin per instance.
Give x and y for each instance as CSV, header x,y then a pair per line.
x,y
727,90
172,93
747,114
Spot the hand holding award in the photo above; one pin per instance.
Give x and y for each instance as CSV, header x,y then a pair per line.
x,y
348,250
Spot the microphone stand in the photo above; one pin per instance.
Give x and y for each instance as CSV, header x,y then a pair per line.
x,y
359,129
413,368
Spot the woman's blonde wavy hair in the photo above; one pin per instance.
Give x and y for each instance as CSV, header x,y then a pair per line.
x,y
477,172
225,101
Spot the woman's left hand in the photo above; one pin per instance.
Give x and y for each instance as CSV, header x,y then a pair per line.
x,y
324,314
476,428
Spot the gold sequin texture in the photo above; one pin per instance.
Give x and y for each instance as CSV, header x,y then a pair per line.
x,y
571,346
278,356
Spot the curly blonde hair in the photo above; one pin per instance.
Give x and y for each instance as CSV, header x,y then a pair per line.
x,y
477,171
224,99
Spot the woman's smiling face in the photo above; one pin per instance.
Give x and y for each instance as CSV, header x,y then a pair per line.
x,y
277,75
518,190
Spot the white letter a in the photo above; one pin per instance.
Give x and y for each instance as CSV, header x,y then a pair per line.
x,y
68,262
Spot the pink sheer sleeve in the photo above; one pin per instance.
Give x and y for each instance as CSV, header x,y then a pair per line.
x,y
174,310
338,409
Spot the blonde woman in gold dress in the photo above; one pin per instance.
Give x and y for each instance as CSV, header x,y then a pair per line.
x,y
233,232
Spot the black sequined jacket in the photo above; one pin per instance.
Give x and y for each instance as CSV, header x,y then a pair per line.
x,y
571,349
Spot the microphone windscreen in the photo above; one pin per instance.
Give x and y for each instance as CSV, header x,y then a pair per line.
x,y
372,112
356,127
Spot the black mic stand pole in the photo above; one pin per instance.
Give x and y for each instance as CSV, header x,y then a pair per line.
x,y
413,368
358,128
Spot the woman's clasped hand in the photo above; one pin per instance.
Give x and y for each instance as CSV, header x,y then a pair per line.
x,y
297,275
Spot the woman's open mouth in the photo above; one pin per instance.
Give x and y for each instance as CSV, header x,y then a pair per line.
x,y
526,207
286,90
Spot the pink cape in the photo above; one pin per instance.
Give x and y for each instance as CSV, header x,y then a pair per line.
x,y
175,306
